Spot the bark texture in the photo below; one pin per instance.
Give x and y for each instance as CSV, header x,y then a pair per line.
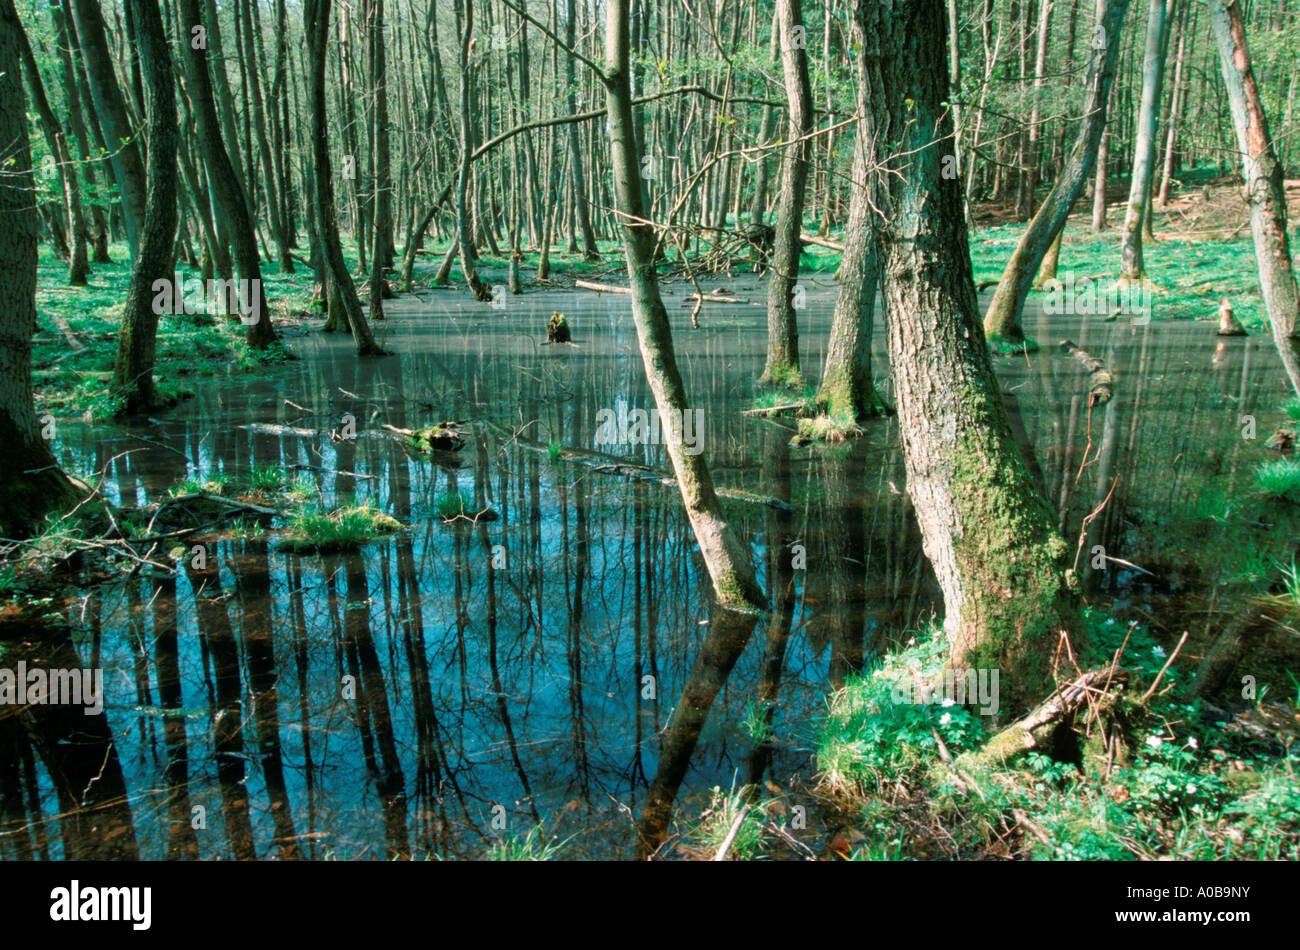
x,y
30,481
985,528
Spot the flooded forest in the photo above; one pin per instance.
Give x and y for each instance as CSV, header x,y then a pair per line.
x,y
793,430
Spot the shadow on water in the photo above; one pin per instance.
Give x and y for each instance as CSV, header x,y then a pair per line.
x,y
560,666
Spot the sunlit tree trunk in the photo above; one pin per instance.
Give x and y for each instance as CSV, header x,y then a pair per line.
x,y
782,365
725,555
1262,174
1131,267
847,388
1002,320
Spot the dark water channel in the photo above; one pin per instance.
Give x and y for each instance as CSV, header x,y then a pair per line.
x,y
449,688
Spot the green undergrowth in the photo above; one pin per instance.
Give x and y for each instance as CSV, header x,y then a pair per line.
x,y
1192,274
288,507
1188,787
75,344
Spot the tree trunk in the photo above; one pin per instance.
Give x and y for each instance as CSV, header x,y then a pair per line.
x,y
847,388
1131,267
986,529
1002,320
225,181
111,113
782,367
725,556
136,341
464,237
30,480
78,262
316,17
1262,174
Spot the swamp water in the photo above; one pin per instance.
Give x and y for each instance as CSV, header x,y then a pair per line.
x,y
444,690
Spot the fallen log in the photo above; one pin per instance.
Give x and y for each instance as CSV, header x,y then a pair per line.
x,y
600,288
1095,689
712,298
1100,382
820,242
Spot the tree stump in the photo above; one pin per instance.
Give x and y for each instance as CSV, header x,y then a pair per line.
x,y
1229,325
557,329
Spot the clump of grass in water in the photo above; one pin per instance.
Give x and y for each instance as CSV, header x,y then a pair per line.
x,y
1280,478
530,847
727,810
345,529
824,427
266,479
215,484
769,398
1292,408
451,505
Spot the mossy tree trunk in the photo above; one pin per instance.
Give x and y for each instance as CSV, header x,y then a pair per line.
x,y
1263,177
847,389
986,529
1002,319
725,555
782,367
30,480
137,338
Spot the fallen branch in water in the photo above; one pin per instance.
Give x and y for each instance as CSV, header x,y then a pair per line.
x,y
601,288
1100,383
713,298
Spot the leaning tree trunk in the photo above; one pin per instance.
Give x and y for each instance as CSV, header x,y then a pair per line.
x,y
137,339
1002,320
986,529
847,388
316,17
1131,267
1262,173
782,367
725,555
231,200
30,480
